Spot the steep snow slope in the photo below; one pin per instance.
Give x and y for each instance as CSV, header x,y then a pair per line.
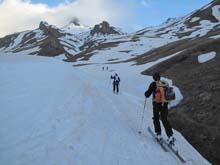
x,y
54,114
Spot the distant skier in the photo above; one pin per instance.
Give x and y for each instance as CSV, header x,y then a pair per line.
x,y
160,107
116,81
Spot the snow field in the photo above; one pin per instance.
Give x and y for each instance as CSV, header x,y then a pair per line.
x,y
53,113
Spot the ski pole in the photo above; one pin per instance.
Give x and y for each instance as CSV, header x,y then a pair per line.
x,y
143,116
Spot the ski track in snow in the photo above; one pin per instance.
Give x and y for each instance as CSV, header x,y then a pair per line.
x,y
53,113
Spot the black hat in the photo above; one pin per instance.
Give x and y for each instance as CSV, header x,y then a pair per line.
x,y
156,76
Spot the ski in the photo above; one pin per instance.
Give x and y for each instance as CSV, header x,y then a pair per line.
x,y
167,147
174,151
160,142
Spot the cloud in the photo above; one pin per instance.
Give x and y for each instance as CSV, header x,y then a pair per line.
x,y
20,15
146,3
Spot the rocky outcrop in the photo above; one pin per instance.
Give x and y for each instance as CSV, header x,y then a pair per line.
x,y
51,45
49,30
104,29
7,40
44,40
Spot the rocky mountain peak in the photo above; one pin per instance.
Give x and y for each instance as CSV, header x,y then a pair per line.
x,y
104,28
43,25
49,29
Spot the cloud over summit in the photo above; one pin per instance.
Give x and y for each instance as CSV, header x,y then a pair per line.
x,y
20,15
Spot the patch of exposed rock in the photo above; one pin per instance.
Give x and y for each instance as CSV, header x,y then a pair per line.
x,y
103,28
51,45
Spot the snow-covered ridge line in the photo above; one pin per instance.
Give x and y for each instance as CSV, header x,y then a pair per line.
x,y
190,26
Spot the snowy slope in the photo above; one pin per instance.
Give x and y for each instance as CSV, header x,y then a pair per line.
x,y
53,113
76,29
199,24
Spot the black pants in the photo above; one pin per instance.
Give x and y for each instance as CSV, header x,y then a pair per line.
x,y
116,87
161,111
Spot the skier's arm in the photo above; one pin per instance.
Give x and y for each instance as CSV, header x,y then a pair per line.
x,y
149,91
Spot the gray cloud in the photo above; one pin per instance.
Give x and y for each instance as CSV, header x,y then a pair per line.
x,y
20,15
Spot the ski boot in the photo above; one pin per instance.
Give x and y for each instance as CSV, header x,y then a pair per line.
x,y
158,137
171,140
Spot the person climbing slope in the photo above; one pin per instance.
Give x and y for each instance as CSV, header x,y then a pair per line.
x,y
116,81
160,107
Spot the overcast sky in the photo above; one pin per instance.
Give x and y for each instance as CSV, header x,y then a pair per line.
x,y
131,15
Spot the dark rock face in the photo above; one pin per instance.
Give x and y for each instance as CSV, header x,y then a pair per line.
x,y
7,40
103,28
204,14
44,26
49,30
51,45
197,116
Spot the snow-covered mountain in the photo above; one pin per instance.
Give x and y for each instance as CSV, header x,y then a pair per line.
x,y
48,40
202,24
175,48
80,31
79,42
52,113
